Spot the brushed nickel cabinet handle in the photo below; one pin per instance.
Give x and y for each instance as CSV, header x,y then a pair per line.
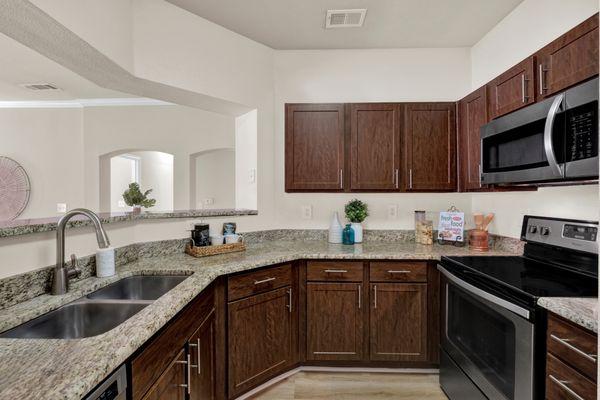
x,y
563,385
541,76
410,183
398,271
188,364
289,304
197,346
480,173
341,178
524,96
396,178
374,296
359,297
565,342
336,271
264,281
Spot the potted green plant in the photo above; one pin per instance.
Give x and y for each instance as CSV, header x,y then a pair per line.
x,y
134,197
356,212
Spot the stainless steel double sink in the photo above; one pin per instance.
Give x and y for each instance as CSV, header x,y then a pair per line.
x,y
98,312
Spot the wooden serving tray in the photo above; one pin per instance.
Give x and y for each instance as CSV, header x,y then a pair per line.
x,y
206,251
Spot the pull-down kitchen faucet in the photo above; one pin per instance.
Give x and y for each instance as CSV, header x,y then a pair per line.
x,y
62,273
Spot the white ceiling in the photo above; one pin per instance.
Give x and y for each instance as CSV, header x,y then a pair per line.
x,y
300,24
20,65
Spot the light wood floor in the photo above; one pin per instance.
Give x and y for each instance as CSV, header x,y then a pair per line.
x,y
354,386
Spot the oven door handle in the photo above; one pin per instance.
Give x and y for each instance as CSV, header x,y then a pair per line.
x,y
483,294
548,148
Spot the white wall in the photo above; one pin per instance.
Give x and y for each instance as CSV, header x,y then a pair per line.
x,y
49,145
121,175
346,76
530,26
215,179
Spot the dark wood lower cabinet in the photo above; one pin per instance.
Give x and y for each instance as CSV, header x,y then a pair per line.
x,y
260,338
171,384
202,351
398,322
334,321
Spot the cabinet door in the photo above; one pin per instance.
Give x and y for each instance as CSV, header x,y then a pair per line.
x,y
171,384
472,115
314,147
334,321
570,59
430,146
399,322
202,354
374,146
513,89
260,338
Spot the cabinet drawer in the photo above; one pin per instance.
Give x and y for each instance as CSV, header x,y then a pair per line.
x,y
259,281
573,345
398,271
335,271
563,382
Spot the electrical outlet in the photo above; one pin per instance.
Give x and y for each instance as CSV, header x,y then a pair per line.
x,y
306,212
392,211
252,175
61,208
121,204
209,201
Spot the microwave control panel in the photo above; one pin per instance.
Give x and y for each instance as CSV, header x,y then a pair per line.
x,y
582,133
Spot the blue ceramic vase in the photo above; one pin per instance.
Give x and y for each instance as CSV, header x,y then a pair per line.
x,y
348,235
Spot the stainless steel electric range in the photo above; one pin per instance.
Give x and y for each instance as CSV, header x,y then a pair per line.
x,y
493,332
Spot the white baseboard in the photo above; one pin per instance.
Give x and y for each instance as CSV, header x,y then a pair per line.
x,y
308,368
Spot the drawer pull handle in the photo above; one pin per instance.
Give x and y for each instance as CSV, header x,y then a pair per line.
x,y
565,342
197,346
289,304
401,271
336,271
563,386
264,281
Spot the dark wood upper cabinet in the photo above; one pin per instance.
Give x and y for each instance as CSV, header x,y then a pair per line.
x,y
398,322
513,89
334,321
570,59
260,338
429,146
374,146
472,115
314,147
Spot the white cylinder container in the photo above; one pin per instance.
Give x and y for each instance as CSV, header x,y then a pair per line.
x,y
335,229
358,232
105,262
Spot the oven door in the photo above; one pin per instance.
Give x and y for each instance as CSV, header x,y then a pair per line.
x,y
489,338
525,146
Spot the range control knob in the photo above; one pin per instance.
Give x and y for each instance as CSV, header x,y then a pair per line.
x,y
532,229
544,231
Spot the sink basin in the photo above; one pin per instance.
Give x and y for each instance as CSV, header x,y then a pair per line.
x,y
76,320
149,287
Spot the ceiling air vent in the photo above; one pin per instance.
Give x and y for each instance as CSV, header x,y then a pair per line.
x,y
39,86
345,18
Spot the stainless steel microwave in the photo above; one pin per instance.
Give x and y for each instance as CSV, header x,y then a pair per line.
x,y
550,141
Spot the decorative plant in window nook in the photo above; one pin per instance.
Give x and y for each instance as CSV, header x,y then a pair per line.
x,y
134,197
356,212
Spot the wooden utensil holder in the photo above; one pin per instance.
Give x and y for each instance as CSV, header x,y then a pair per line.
x,y
479,240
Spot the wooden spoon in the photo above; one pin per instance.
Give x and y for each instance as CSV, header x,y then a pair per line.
x,y
488,219
478,218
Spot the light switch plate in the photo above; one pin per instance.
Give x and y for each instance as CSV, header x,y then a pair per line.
x,y
252,175
61,208
306,212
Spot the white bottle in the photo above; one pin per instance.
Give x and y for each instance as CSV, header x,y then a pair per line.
x,y
335,229
105,262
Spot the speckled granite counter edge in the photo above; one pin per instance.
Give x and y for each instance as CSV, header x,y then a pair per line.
x,y
29,226
581,311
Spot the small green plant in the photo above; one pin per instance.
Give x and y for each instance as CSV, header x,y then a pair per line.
x,y
134,196
356,211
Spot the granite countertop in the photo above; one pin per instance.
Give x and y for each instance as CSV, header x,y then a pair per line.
x,y
69,369
582,311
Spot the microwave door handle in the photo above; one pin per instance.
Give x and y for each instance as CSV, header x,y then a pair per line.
x,y
548,148
520,311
